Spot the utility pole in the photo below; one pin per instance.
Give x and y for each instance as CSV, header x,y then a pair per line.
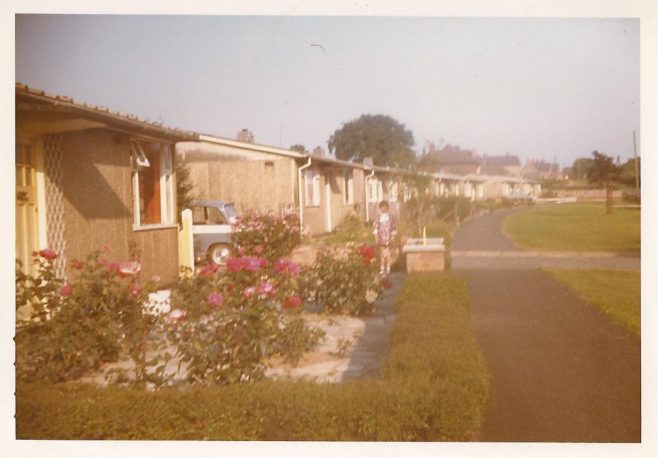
x,y
637,169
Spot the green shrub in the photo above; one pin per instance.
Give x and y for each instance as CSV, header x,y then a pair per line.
x,y
343,282
433,388
226,323
266,235
76,326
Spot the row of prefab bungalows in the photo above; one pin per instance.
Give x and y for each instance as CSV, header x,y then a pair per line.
x,y
88,177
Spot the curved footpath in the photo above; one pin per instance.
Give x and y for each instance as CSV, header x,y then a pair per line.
x,y
560,370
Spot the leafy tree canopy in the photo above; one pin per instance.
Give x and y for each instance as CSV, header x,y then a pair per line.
x,y
299,148
603,170
381,137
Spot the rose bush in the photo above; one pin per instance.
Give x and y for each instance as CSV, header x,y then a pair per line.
x,y
343,282
225,323
77,325
266,235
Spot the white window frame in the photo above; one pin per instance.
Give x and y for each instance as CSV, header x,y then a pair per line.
x,y
393,192
374,190
139,161
348,187
314,199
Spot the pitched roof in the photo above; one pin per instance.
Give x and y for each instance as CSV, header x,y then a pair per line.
x,y
102,114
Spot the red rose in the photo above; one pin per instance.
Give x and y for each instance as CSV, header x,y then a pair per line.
x,y
292,302
66,290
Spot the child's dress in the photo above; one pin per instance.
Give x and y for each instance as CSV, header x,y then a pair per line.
x,y
384,229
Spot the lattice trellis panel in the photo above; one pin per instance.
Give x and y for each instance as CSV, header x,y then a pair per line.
x,y
52,161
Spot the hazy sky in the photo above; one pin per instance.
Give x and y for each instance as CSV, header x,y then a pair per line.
x,y
539,88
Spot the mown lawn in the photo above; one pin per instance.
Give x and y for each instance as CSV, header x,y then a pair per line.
x,y
575,227
615,293
433,388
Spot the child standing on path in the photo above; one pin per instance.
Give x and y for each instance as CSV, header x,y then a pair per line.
x,y
384,233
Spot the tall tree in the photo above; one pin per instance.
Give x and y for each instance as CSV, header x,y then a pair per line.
x,y
381,137
604,172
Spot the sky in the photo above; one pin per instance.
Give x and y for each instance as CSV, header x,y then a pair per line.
x,y
540,88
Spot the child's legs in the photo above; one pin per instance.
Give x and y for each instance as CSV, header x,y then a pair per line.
x,y
385,255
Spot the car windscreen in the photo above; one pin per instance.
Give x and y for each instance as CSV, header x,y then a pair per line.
x,y
215,216
230,211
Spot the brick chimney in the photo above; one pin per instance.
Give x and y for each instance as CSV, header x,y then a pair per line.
x,y
245,135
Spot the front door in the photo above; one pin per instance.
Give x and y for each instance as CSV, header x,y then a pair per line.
x,y
27,225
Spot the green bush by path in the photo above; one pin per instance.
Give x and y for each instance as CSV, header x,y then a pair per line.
x,y
616,293
575,227
433,387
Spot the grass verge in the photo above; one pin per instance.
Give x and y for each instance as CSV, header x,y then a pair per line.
x,y
616,293
433,388
575,227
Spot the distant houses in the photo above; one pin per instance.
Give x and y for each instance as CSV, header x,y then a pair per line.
x,y
87,176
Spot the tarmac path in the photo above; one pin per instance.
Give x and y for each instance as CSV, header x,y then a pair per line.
x,y
560,370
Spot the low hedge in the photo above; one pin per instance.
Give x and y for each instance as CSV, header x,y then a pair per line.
x,y
432,388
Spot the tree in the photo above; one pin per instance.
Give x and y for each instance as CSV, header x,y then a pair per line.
x,y
604,172
299,148
381,137
580,168
184,187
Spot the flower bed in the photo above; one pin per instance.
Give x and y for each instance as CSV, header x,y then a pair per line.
x,y
434,387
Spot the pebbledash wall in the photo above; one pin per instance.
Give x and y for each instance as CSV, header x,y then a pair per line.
x,y
98,205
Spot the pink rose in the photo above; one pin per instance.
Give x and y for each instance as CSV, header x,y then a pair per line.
x,y
130,268
175,315
266,288
66,290
215,299
47,253
234,264
250,291
286,267
208,270
114,267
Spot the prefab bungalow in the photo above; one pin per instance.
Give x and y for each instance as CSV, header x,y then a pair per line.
x,y
88,177
250,175
332,189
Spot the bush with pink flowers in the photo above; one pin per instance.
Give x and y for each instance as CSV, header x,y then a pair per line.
x,y
77,325
266,235
341,282
225,323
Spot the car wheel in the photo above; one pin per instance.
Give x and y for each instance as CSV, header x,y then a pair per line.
x,y
219,254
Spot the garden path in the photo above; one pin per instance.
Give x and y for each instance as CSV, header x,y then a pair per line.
x,y
560,370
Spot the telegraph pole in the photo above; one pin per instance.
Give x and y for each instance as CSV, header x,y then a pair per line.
x,y
637,169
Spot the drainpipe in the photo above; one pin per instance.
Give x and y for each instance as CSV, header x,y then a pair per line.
x,y
300,190
372,174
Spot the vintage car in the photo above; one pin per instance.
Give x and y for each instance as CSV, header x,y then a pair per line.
x,y
212,224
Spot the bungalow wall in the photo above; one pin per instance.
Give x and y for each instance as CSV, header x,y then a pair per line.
x,y
97,204
250,179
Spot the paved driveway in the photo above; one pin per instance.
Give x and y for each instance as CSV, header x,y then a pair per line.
x,y
560,370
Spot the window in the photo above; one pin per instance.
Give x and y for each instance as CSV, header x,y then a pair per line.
x,y
393,193
152,183
207,216
374,190
312,187
348,186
